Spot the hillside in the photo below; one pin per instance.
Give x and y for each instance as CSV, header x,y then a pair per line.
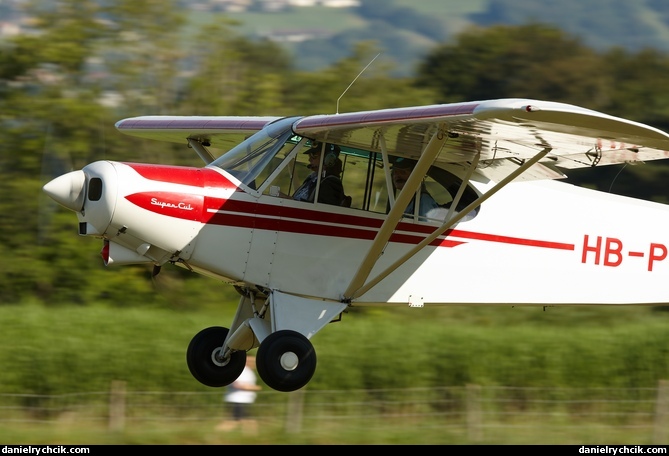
x,y
404,30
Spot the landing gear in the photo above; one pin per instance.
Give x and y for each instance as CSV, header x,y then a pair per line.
x,y
286,360
205,360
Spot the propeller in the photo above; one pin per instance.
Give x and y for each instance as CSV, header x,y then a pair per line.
x,y
53,165
61,184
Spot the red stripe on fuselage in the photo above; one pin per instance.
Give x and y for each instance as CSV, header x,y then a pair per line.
x,y
511,240
247,214
184,175
315,225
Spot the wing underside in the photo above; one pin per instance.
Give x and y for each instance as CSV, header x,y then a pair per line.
x,y
506,133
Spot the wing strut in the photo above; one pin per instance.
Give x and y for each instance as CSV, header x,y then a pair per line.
x,y
201,150
396,212
352,294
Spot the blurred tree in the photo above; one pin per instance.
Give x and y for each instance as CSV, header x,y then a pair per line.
x,y
233,75
638,82
636,22
399,45
143,53
530,61
400,17
53,121
68,31
357,82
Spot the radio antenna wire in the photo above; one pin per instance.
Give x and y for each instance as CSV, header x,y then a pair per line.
x,y
355,79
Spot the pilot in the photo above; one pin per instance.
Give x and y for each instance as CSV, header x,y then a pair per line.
x,y
331,190
400,171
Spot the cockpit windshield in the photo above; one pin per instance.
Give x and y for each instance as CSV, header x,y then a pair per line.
x,y
251,157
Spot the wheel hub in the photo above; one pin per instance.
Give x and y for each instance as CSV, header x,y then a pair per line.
x,y
218,359
289,361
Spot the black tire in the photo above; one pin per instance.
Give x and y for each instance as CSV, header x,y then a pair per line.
x,y
202,361
277,347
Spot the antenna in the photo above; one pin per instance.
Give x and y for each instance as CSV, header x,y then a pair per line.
x,y
356,78
616,176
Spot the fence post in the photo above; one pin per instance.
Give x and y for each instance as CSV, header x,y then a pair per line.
x,y
474,413
117,406
660,433
294,411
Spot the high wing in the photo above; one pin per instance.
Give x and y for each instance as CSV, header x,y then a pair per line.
x,y
505,132
218,132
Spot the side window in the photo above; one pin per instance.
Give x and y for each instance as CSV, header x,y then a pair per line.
x,y
440,194
360,173
435,193
364,180
291,176
273,164
443,186
313,173
363,177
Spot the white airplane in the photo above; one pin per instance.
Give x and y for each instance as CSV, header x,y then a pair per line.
x,y
505,232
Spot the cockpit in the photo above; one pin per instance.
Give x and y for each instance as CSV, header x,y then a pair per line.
x,y
273,162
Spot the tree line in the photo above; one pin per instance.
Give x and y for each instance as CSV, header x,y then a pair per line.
x,y
87,64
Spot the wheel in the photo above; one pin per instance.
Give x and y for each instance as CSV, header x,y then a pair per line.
x,y
286,360
204,362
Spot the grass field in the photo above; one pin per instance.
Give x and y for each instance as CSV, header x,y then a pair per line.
x,y
470,415
559,375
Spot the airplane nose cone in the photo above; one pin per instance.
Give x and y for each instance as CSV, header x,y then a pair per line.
x,y
68,190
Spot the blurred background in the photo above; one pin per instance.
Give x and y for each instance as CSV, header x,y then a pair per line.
x,y
97,355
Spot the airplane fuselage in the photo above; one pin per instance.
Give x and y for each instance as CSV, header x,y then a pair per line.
x,y
585,246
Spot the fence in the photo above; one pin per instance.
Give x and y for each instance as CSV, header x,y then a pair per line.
x,y
471,414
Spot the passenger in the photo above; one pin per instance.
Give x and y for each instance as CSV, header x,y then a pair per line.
x,y
331,189
400,171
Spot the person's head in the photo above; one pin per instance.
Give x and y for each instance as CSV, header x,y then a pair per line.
x,y
401,170
314,152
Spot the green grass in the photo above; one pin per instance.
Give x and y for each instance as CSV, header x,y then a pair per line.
x,y
378,355
61,349
429,433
